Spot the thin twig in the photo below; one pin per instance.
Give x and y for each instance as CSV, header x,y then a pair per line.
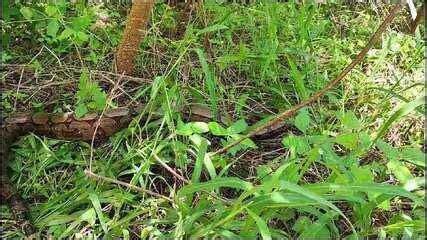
x,y
125,184
110,97
288,113
173,172
17,90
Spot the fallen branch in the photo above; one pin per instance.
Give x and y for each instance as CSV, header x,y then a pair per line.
x,y
169,169
90,174
288,113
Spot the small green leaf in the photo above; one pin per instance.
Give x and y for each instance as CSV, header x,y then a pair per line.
x,y
399,170
52,28
67,33
26,12
231,182
217,130
237,127
100,99
195,177
200,127
301,223
414,156
184,129
302,120
51,11
81,37
349,120
89,216
209,166
81,110
297,144
213,28
348,140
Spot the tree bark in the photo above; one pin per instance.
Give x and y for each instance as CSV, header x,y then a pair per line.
x,y
133,35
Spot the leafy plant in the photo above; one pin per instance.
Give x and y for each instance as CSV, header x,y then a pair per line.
x,y
90,97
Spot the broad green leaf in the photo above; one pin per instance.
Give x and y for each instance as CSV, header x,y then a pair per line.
x,y
67,33
27,12
197,139
298,79
261,224
89,216
184,129
200,127
81,37
301,223
302,120
100,99
237,127
248,143
51,11
52,28
217,130
362,174
414,156
403,111
389,151
297,144
348,140
349,120
399,170
81,110
231,182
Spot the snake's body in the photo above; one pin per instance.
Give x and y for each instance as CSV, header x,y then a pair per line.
x,y
64,126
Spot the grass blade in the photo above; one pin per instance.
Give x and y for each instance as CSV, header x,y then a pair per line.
x,y
262,225
403,111
311,195
97,206
231,182
210,82
195,177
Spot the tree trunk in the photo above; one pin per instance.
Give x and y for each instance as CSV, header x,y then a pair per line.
x,y
133,35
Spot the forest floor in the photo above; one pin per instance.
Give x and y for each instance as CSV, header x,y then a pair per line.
x,y
323,175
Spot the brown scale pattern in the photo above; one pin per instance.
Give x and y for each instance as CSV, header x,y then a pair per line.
x,y
55,125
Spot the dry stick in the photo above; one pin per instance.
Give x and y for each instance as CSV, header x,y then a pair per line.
x,y
173,172
128,185
387,21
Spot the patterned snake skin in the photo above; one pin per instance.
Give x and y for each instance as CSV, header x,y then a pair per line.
x,y
59,126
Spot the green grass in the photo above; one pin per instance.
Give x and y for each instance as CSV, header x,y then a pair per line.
x,y
328,177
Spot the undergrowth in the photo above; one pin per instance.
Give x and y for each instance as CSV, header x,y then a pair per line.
x,y
351,165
